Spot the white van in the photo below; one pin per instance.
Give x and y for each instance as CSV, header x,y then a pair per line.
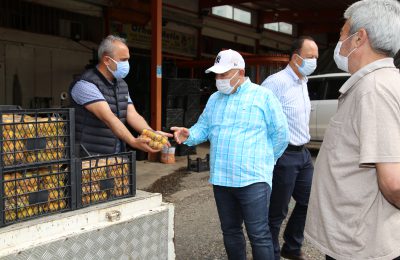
x,y
324,92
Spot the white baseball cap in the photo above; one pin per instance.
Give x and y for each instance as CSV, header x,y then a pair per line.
x,y
227,60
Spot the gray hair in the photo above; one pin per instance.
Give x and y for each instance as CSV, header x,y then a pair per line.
x,y
106,46
381,20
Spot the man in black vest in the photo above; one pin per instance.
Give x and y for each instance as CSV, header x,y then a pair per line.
x,y
103,106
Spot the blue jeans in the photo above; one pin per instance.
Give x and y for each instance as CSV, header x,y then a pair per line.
x,y
292,178
249,205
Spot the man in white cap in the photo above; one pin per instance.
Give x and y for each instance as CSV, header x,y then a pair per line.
x,y
248,132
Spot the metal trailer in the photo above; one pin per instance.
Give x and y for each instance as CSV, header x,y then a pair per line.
x,y
140,227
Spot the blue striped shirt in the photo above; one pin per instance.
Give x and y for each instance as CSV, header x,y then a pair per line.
x,y
247,131
293,95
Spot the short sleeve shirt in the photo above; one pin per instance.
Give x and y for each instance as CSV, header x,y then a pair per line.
x,y
85,93
348,216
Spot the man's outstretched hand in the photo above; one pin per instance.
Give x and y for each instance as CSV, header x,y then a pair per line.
x,y
166,135
181,134
142,143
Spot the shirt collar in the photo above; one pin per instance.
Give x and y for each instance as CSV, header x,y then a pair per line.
x,y
294,76
379,64
243,85
112,83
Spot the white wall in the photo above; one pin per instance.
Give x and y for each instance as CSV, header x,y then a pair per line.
x,y
44,65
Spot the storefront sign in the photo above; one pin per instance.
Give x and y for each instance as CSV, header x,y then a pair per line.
x,y
172,41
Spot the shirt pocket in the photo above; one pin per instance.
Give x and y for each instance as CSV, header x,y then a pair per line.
x,y
332,134
248,116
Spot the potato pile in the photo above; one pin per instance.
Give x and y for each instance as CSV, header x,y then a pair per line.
x,y
20,134
157,141
20,190
104,178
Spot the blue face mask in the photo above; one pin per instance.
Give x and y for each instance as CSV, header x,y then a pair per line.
x,y
307,66
122,69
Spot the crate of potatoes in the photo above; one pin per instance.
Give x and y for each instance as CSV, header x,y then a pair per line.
x,y
35,136
105,177
35,191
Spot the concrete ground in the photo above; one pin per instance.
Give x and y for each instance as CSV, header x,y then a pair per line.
x,y
197,228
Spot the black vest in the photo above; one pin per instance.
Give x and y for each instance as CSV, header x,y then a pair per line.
x,y
91,132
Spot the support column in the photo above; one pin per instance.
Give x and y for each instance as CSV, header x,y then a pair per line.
x,y
258,75
156,62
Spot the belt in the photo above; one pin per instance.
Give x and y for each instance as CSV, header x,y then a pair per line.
x,y
294,148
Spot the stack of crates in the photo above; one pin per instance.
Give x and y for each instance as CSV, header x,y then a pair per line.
x,y
104,178
182,107
40,174
36,151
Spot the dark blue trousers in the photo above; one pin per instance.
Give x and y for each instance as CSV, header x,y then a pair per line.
x,y
292,178
247,204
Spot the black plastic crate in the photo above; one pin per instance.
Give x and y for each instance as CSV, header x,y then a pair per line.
x,y
36,191
170,101
174,117
193,86
175,86
191,117
104,178
193,102
183,150
182,86
180,102
199,164
29,137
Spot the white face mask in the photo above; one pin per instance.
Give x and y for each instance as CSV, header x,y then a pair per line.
x,y
342,62
307,66
224,85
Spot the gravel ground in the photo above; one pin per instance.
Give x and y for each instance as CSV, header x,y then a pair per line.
x,y
197,228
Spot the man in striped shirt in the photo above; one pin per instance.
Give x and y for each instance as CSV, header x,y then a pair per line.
x,y
248,132
293,172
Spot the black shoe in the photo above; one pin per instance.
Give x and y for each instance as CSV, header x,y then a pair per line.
x,y
292,256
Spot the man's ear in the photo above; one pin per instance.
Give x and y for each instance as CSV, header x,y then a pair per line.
x,y
104,60
361,37
241,72
295,58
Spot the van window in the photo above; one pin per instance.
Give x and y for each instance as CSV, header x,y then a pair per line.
x,y
316,88
333,86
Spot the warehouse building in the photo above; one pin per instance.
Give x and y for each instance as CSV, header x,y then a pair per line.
x,y
45,44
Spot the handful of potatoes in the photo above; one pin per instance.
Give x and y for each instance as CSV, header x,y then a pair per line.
x,y
157,141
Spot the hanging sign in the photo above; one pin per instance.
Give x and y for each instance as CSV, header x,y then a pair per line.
x,y
172,41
